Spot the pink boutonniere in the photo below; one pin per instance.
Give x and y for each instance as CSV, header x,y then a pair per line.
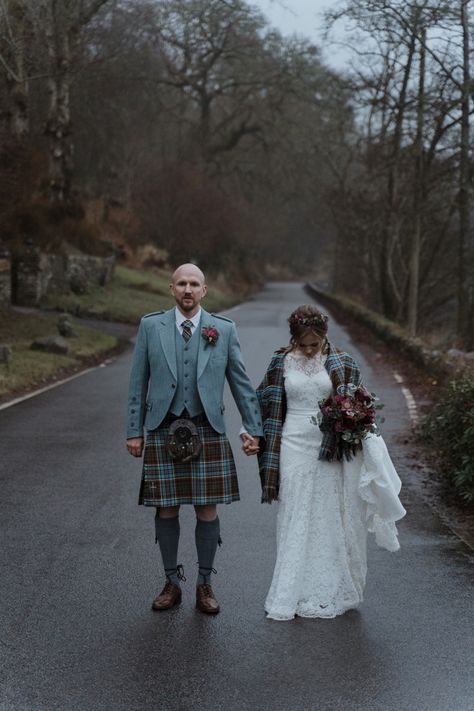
x,y
210,335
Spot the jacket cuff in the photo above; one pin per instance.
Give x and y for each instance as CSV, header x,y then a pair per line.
x,y
132,435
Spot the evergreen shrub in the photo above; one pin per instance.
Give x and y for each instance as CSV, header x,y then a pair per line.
x,y
450,428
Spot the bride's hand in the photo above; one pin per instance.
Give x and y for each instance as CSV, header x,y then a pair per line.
x,y
250,444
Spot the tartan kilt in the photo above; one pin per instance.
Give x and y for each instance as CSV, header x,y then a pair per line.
x,y
209,479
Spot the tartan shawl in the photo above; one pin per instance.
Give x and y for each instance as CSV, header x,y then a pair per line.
x,y
341,368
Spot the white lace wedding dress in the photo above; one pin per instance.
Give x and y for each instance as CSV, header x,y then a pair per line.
x,y
325,508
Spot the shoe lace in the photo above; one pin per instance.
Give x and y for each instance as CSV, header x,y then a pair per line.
x,y
206,574
179,570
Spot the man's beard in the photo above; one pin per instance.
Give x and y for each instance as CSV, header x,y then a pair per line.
x,y
188,306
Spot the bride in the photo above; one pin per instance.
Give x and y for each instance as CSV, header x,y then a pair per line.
x,y
327,502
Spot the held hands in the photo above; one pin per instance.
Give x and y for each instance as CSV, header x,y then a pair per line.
x,y
250,444
135,446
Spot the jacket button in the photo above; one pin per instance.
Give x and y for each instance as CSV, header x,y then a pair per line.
x,y
134,399
132,411
173,385
132,424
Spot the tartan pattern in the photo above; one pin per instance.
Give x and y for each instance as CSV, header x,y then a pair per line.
x,y
343,371
341,368
272,400
209,479
187,330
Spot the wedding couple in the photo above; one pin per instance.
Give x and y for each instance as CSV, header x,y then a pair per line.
x,y
327,503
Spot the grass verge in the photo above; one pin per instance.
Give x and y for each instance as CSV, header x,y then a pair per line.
x,y
34,369
132,294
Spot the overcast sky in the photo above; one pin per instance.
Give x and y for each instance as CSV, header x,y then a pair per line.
x,y
304,18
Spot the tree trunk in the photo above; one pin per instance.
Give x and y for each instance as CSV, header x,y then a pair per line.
x,y
392,187
65,22
58,125
418,192
464,196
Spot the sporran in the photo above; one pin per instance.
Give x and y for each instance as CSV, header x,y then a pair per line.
x,y
183,443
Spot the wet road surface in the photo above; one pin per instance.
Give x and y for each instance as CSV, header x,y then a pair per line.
x,y
79,569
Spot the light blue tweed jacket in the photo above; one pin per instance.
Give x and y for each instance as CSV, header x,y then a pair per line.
x,y
153,378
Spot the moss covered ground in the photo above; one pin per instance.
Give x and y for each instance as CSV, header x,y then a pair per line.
x,y
31,369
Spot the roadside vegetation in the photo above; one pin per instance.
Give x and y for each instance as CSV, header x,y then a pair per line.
x,y
130,295
30,369
450,428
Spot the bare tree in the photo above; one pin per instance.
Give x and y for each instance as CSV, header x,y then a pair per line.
x,y
62,22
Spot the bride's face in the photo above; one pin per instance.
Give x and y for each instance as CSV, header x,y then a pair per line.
x,y
310,344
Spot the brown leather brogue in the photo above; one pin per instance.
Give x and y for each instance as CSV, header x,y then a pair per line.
x,y
205,600
168,597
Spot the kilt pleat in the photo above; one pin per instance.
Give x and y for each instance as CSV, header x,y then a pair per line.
x,y
209,479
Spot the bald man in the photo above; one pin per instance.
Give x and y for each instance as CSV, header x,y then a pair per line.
x,y
181,360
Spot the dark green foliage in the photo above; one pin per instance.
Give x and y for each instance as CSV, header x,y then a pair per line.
x,y
450,428
56,229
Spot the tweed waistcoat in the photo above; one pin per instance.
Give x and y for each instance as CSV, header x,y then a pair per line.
x,y
187,395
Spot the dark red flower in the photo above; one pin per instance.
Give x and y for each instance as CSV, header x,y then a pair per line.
x,y
210,335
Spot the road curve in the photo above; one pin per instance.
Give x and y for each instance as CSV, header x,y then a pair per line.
x,y
79,569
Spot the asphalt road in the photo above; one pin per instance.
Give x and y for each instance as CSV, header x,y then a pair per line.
x,y
79,569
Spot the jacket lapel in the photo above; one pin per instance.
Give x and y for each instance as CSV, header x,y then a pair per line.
x,y
204,353
167,338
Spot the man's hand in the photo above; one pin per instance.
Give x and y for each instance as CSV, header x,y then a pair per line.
x,y
250,444
135,446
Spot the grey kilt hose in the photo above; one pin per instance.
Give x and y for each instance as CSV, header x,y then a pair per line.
x,y
209,479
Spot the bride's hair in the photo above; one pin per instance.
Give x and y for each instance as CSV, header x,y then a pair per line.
x,y
307,319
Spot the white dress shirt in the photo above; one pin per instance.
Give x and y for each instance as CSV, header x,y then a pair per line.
x,y
180,319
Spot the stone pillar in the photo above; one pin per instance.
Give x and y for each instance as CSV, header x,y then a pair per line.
x,y
27,281
5,278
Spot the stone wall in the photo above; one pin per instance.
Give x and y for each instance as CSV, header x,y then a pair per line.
x,y
89,270
36,274
5,278
27,277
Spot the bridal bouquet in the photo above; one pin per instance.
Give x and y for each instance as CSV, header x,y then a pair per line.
x,y
349,418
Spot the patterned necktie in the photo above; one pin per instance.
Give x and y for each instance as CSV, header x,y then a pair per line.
x,y
187,332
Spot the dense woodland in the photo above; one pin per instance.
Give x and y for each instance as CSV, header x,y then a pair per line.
x,y
194,126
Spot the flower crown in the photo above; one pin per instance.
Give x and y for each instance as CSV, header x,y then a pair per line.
x,y
318,321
